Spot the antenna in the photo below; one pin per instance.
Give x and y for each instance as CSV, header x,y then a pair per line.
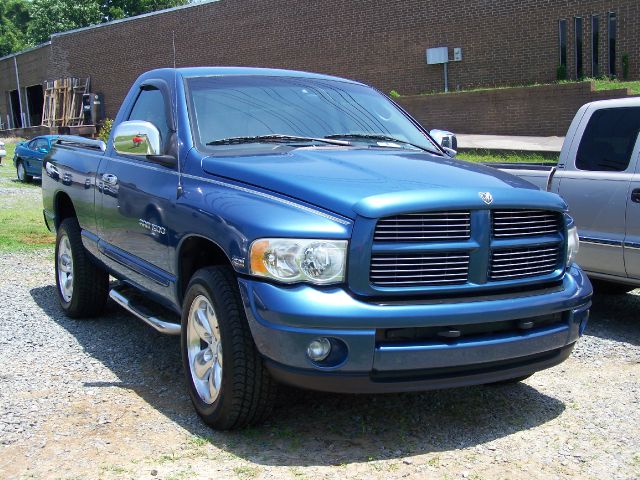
x,y
175,113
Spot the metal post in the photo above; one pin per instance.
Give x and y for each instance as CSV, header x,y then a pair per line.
x,y
15,66
446,78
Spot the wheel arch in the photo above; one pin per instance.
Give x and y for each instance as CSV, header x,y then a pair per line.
x,y
63,208
193,253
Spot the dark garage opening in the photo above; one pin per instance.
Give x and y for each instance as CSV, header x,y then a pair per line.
x,y
15,109
35,102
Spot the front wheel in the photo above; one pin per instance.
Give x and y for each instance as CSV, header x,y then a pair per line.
x,y
82,285
21,172
228,383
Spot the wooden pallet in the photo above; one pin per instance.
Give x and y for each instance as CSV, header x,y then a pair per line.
x,y
63,102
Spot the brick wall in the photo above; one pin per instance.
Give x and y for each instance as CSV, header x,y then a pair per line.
x,y
381,42
538,111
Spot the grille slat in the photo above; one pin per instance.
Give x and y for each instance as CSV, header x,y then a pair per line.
x,y
424,227
523,262
439,268
524,223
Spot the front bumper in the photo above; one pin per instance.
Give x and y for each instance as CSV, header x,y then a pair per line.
x,y
284,319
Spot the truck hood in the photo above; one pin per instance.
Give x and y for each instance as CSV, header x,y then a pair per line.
x,y
378,182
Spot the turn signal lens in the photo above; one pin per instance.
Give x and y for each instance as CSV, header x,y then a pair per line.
x,y
299,260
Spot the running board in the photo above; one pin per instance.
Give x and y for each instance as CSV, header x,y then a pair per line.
x,y
160,325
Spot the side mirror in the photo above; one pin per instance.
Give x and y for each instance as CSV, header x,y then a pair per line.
x,y
140,139
445,139
43,150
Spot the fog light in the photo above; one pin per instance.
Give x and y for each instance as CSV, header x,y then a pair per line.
x,y
319,349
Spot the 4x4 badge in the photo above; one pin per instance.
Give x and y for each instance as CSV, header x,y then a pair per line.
x,y
486,197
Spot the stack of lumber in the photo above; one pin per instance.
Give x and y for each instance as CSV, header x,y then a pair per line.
x,y
63,102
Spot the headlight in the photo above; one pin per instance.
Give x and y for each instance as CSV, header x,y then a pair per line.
x,y
573,245
299,260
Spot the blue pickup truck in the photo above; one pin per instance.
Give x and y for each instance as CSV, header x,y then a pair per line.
x,y
303,229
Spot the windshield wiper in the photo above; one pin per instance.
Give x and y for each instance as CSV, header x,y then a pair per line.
x,y
276,137
376,136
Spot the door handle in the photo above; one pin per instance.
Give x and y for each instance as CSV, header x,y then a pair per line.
x,y
110,179
635,195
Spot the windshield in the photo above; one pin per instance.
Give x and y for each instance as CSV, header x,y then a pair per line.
x,y
238,107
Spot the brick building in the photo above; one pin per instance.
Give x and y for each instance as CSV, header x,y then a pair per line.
x,y
380,42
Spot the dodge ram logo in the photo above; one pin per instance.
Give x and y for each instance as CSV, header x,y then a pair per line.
x,y
486,197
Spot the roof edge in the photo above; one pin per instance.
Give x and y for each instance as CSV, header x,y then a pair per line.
x,y
26,50
137,17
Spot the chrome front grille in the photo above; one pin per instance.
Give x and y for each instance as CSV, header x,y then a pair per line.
x,y
419,269
524,223
424,227
513,263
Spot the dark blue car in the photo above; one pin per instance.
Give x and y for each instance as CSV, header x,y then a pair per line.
x,y
28,156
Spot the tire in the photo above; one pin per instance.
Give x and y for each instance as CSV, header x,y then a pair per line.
x,y
603,286
243,391
21,172
510,381
82,286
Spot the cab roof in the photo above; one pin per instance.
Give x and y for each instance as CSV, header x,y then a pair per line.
x,y
231,71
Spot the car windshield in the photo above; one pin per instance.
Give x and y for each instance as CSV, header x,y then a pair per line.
x,y
242,109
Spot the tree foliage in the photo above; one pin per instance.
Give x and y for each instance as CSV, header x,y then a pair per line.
x,y
51,16
116,9
14,18
25,23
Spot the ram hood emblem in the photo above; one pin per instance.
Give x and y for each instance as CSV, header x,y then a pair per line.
x,y
486,197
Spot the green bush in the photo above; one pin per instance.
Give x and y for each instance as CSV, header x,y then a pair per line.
x,y
394,94
105,130
561,72
625,66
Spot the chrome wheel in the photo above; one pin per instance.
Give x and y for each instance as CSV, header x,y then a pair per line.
x,y
65,268
204,349
21,172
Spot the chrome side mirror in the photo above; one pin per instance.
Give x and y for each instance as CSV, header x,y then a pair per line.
x,y
136,137
445,139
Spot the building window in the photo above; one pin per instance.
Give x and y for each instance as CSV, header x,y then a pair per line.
x,y
595,43
578,40
563,42
612,44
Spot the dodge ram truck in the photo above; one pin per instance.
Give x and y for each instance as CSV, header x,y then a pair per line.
x,y
598,176
301,229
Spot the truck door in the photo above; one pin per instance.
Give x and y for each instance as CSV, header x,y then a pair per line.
x,y
632,239
136,197
598,187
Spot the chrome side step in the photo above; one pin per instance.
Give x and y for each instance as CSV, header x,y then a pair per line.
x,y
160,325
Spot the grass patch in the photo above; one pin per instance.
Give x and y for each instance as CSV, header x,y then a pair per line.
x,y
607,84
488,156
21,223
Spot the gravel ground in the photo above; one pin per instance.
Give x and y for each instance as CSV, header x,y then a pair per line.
x,y
105,398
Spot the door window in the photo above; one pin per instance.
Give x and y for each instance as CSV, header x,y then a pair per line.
x,y
150,107
42,143
608,140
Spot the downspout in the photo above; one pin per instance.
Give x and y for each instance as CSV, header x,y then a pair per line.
x,y
15,66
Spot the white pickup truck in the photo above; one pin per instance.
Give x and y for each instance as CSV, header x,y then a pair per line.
x,y
598,175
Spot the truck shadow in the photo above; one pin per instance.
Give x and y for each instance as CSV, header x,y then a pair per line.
x,y
615,317
307,428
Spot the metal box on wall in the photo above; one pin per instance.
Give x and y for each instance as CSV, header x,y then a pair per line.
x,y
92,108
437,55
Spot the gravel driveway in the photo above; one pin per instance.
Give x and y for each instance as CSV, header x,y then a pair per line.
x,y
105,399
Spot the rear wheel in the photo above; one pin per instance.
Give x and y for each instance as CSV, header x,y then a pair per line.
x,y
228,383
21,172
603,286
82,286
